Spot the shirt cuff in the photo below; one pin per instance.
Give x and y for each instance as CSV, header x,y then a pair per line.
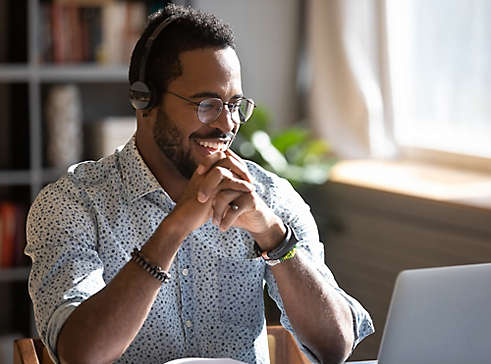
x,y
54,327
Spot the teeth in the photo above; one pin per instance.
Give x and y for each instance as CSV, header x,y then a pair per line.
x,y
215,145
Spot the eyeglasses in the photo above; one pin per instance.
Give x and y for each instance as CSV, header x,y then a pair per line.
x,y
210,109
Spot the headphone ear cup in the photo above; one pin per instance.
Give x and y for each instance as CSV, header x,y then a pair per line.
x,y
141,96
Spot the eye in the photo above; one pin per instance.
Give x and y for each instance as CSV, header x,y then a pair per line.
x,y
207,105
234,106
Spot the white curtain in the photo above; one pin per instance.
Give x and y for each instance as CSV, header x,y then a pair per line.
x,y
350,103
441,75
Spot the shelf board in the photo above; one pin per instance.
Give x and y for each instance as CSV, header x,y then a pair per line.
x,y
63,73
15,177
26,177
14,274
83,73
14,73
52,174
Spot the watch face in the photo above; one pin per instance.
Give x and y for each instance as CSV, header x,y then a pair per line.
x,y
272,262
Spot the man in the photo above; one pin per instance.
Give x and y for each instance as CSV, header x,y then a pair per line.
x,y
160,250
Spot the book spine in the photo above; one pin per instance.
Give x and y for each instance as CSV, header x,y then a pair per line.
x,y
102,31
45,37
20,259
57,32
7,216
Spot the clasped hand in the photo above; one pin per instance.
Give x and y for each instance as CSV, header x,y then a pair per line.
x,y
219,183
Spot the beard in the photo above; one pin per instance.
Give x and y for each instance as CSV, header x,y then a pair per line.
x,y
170,141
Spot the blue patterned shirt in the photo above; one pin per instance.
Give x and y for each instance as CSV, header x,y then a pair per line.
x,y
82,229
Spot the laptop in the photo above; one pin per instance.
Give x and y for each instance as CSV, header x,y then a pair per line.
x,y
439,316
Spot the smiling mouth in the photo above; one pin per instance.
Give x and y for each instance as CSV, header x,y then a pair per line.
x,y
214,146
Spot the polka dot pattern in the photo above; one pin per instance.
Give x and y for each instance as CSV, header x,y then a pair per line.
x,y
81,231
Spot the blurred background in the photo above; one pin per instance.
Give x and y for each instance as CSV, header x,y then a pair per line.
x,y
377,111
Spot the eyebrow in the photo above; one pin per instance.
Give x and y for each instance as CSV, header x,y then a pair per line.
x,y
200,95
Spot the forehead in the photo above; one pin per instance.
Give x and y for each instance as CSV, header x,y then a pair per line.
x,y
209,70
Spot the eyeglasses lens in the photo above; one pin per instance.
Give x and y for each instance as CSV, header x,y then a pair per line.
x,y
245,109
210,109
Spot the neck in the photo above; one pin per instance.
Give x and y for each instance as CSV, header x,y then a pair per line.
x,y
171,180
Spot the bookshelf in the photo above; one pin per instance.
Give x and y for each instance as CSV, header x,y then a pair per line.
x,y
25,80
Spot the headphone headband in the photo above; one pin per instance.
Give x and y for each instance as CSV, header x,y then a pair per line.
x,y
149,43
140,93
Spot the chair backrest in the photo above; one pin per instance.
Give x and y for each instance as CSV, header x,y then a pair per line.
x,y
283,348
30,351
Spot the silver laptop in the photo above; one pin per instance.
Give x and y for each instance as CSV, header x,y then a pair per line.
x,y
439,316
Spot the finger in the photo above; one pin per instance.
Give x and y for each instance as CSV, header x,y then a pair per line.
x,y
244,203
209,162
223,201
230,162
218,179
230,152
239,163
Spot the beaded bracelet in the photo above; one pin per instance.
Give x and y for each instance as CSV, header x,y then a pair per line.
x,y
153,269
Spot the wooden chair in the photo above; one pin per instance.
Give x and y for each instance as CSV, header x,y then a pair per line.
x,y
282,349
30,351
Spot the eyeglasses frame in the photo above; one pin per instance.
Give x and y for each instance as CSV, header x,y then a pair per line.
x,y
228,104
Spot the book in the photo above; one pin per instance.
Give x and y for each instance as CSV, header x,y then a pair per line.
x,y
106,135
58,34
91,33
84,2
20,259
63,125
113,18
205,361
12,234
102,31
7,234
134,25
45,35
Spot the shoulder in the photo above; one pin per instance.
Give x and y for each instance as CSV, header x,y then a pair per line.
x,y
94,173
261,175
73,190
263,179
271,187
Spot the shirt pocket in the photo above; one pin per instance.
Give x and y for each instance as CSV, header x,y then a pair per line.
x,y
240,291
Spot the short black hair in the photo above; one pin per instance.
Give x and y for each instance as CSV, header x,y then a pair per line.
x,y
191,29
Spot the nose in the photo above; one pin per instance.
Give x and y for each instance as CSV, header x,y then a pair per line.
x,y
224,121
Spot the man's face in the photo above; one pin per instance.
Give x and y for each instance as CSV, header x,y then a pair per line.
x,y
178,133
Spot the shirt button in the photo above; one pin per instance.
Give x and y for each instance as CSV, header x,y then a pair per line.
x,y
188,323
185,272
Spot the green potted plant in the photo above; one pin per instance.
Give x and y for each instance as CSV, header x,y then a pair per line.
x,y
292,153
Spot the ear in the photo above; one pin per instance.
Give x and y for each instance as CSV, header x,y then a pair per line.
x,y
146,116
143,114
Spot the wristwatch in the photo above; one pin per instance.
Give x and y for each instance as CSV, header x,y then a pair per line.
x,y
284,251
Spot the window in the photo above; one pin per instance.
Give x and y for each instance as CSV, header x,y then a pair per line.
x,y
440,70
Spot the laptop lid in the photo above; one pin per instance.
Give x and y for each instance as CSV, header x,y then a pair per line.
x,y
439,315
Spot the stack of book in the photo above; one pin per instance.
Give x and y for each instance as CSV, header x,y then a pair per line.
x,y
108,134
97,31
12,234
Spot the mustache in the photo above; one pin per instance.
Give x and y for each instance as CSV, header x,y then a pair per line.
x,y
216,135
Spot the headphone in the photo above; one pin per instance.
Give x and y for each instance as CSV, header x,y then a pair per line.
x,y
142,96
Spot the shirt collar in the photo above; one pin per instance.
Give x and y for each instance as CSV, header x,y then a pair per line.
x,y
138,180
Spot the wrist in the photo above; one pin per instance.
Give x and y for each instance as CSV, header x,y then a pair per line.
x,y
271,237
284,251
163,245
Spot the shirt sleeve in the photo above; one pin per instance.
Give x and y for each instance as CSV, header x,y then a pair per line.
x,y
291,208
66,269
